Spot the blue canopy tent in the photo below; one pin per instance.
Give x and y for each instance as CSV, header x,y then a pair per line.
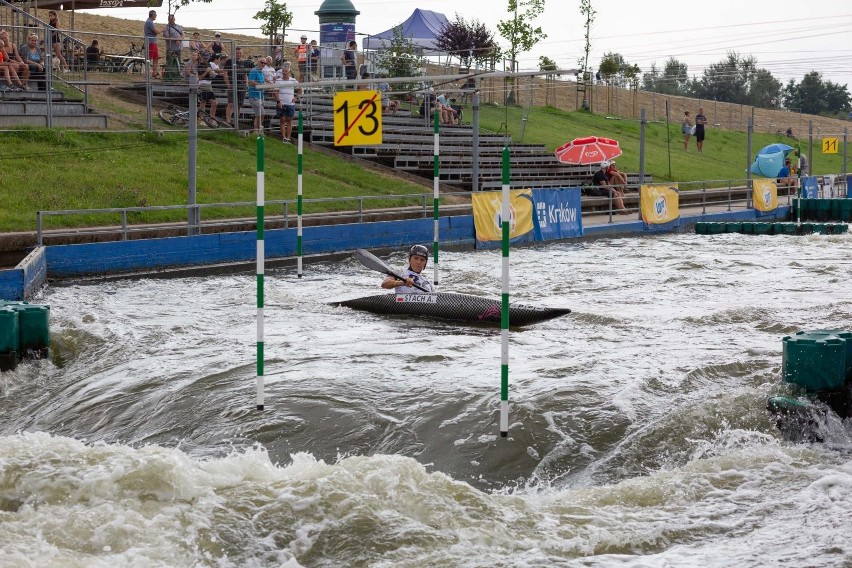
x,y
770,159
422,27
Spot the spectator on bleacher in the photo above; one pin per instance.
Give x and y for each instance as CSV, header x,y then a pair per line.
x,y
151,32
602,188
173,34
447,113
216,46
195,44
56,40
615,178
15,61
313,60
255,95
349,59
388,105
32,55
786,177
277,52
458,110
285,104
218,76
13,82
239,67
301,53
93,55
268,70
194,67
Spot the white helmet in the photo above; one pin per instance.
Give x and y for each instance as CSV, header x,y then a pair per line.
x,y
604,164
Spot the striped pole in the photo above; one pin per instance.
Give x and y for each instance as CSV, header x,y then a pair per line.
x,y
435,199
299,199
504,311
260,264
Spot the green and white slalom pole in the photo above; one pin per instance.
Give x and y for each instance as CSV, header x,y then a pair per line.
x,y
300,150
436,197
260,265
504,311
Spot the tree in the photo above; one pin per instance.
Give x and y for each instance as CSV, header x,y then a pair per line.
x,y
518,30
520,33
546,64
470,42
737,79
275,17
616,69
813,96
764,90
178,3
589,12
400,58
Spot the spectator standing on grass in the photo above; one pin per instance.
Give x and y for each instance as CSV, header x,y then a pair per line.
x,y
151,32
804,170
255,95
31,54
686,129
285,110
173,34
235,73
700,122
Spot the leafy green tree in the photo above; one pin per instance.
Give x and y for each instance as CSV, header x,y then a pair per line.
x,y
400,58
518,30
469,41
589,13
175,4
737,79
764,90
546,64
616,69
814,96
275,17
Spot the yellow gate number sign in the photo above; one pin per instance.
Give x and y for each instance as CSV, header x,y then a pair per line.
x,y
357,118
829,145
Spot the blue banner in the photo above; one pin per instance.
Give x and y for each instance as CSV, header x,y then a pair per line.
x,y
810,187
557,214
849,184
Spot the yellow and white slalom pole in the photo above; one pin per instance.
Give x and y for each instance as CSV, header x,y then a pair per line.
x,y
260,265
504,311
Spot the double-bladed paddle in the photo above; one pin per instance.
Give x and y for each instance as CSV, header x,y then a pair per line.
x,y
374,263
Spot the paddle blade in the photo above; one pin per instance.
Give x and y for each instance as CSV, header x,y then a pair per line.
x,y
374,263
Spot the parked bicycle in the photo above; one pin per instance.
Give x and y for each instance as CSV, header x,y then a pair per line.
x,y
131,62
174,116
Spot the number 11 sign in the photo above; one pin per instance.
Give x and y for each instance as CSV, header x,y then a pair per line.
x,y
357,118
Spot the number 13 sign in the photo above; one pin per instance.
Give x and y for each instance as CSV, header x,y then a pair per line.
x,y
357,118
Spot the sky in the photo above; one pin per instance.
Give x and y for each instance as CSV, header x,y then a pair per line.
x,y
789,38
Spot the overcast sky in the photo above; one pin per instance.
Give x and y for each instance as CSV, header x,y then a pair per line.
x,y
788,38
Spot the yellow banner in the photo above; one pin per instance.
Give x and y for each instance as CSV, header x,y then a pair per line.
x,y
659,203
765,195
486,214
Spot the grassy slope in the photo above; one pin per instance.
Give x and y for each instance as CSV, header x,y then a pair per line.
x,y
44,170
67,170
724,157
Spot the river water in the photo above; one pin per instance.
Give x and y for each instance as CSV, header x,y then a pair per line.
x,y
638,435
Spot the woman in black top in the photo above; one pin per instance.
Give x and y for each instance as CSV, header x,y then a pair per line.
x,y
700,121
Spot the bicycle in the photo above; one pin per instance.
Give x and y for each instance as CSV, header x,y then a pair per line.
x,y
174,116
131,62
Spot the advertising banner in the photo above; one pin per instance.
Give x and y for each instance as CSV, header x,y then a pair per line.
x,y
488,222
557,214
659,204
765,195
810,187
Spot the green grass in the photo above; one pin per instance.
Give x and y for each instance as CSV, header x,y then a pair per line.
x,y
60,170
724,156
57,169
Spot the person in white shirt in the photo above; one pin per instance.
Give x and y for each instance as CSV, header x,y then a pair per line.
x,y
417,258
268,70
287,89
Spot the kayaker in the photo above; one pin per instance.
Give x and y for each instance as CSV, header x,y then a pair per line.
x,y
417,258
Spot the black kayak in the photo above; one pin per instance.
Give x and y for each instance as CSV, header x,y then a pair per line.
x,y
449,306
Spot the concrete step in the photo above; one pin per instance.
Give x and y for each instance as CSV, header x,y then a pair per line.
x,y
40,107
59,121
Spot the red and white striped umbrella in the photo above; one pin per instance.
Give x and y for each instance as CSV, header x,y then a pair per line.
x,y
589,150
